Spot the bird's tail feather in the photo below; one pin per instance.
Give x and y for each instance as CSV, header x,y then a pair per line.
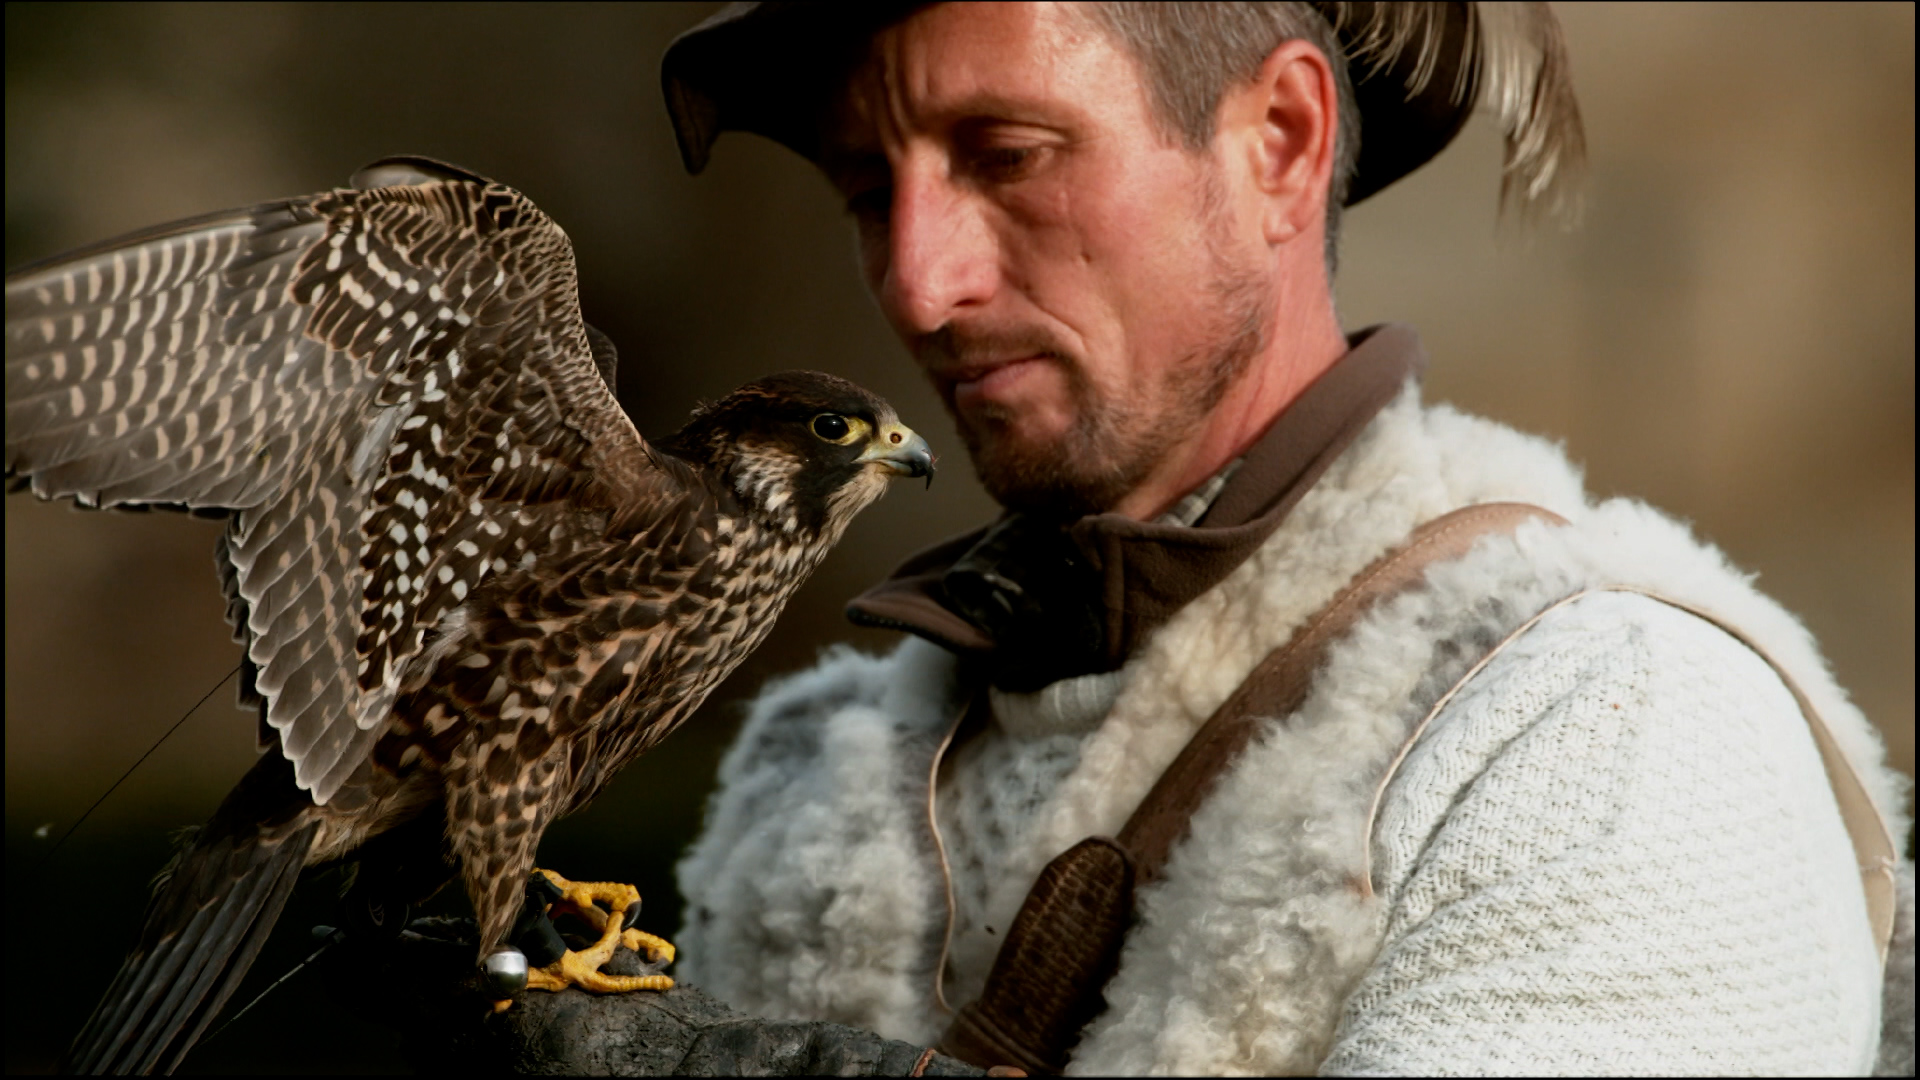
x,y
206,924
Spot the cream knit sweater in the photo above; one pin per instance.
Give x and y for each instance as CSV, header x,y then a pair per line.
x,y
1614,853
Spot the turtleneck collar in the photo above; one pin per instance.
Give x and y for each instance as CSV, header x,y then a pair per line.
x,y
1037,601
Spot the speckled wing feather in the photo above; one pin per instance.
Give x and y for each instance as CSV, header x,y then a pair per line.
x,y
391,390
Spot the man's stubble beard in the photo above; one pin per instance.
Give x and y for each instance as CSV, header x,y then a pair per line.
x,y
1112,446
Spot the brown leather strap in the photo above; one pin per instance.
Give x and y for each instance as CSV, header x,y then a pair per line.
x,y
1046,981
1279,685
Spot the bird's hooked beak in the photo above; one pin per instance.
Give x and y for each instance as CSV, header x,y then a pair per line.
x,y
899,449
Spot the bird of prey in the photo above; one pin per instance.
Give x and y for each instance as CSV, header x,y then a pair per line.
x,y
469,591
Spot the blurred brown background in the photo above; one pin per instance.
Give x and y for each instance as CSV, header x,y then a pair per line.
x,y
1730,337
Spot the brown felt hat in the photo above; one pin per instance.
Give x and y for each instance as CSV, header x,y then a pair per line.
x,y
1419,70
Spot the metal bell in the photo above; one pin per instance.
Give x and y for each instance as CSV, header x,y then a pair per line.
x,y
505,971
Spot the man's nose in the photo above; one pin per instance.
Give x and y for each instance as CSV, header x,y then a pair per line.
x,y
941,253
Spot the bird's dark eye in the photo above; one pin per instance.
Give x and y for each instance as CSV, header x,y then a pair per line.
x,y
830,427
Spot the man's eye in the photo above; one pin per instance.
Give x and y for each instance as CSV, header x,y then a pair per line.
x,y
1004,164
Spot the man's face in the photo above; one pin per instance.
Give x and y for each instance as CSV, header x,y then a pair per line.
x,y
1078,287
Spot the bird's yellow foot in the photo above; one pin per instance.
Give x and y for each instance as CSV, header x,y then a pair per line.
x,y
582,969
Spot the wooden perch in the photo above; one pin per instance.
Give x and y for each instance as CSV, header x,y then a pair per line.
x,y
424,985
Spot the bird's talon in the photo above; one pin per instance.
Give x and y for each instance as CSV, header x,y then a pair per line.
x,y
658,950
581,967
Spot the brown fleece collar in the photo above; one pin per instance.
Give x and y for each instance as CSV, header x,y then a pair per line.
x,y
1039,602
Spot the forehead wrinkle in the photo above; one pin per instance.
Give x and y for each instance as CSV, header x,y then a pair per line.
x,y
922,83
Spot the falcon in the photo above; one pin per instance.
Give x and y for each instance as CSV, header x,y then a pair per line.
x,y
469,591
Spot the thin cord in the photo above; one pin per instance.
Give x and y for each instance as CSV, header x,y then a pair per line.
x,y
272,986
143,757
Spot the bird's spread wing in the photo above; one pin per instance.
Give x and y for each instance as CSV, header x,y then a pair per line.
x,y
390,389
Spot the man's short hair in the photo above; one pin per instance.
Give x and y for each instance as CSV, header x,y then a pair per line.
x,y
1192,53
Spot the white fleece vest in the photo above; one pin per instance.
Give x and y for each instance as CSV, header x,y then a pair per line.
x,y
1615,853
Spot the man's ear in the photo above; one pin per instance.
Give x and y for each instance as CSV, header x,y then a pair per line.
x,y
1285,122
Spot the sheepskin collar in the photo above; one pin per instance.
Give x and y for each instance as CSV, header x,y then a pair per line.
x,y
1038,601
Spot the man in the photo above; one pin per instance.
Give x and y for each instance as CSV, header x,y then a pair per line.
x,y
1107,234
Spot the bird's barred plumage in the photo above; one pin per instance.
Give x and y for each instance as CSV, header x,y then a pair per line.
x,y
469,591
